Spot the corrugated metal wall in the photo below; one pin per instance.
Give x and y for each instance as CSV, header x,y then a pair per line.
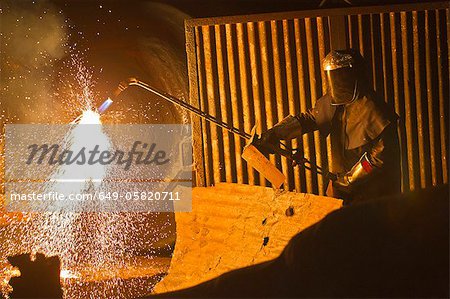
x,y
255,70
408,52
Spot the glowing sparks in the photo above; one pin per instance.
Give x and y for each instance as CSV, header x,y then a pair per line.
x,y
90,117
93,247
65,274
99,247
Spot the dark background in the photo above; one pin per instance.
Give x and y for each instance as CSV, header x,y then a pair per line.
x,y
209,8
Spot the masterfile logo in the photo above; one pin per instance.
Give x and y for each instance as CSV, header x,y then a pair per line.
x,y
140,153
88,167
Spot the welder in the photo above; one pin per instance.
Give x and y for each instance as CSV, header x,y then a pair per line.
x,y
362,128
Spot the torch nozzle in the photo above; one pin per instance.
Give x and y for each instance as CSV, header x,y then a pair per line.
x,y
124,85
105,105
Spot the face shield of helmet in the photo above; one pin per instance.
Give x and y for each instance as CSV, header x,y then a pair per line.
x,y
342,85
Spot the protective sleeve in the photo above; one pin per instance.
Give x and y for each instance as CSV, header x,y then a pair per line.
x,y
384,151
377,154
319,117
370,163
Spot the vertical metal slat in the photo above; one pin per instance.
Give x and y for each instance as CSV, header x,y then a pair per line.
x,y
292,107
245,92
235,109
301,71
223,103
256,82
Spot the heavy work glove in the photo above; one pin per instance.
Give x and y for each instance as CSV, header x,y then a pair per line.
x,y
287,129
359,172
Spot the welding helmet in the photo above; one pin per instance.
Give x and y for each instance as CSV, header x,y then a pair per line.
x,y
344,71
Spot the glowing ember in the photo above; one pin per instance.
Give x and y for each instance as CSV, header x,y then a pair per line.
x,y
64,274
90,117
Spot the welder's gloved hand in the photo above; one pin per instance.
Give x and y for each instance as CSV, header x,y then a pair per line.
x,y
287,129
360,171
342,183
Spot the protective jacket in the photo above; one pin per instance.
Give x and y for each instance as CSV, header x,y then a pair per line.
x,y
364,129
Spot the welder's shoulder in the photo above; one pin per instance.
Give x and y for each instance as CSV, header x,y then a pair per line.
x,y
377,104
324,102
323,110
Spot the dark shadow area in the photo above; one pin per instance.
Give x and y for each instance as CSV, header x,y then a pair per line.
x,y
390,247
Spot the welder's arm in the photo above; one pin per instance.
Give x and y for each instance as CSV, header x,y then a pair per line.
x,y
368,164
317,118
288,128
